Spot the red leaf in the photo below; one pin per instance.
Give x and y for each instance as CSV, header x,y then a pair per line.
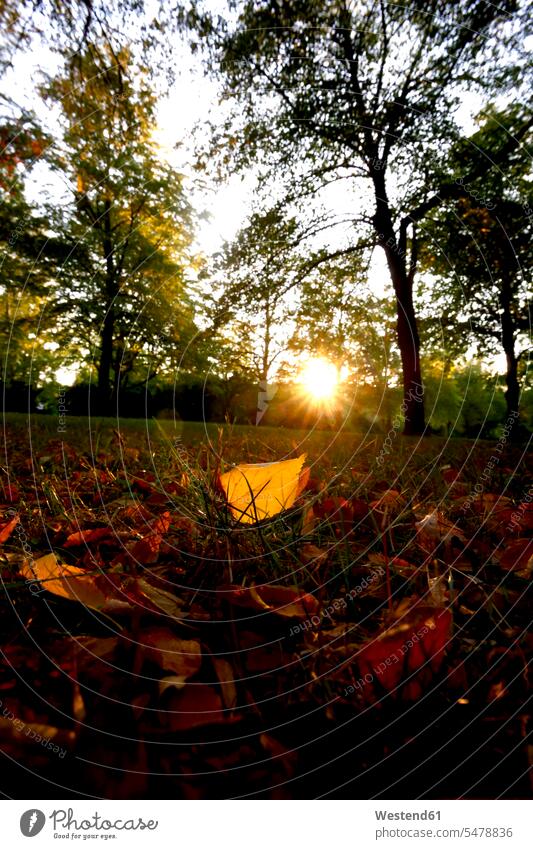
x,y
146,550
360,509
284,601
414,646
450,475
516,554
8,528
194,706
91,535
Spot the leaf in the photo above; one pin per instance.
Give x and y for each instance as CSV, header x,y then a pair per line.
x,y
311,555
257,491
434,527
162,647
146,550
516,555
84,537
8,528
158,599
449,474
226,681
289,602
391,500
411,648
30,734
69,582
193,706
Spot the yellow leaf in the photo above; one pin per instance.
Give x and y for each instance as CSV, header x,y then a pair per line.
x,y
68,582
256,491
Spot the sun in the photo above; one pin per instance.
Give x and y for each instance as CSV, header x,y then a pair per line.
x,y
320,379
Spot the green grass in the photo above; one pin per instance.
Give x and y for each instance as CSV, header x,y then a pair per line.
x,y
295,680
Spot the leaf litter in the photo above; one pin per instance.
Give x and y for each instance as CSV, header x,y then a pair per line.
x,y
209,637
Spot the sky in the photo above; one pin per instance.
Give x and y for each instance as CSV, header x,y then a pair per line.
x,y
190,103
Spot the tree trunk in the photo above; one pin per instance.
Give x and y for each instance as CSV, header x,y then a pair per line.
x,y
512,394
106,355
406,325
108,326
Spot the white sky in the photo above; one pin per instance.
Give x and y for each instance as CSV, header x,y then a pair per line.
x,y
191,102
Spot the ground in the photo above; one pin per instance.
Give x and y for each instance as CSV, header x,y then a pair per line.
x,y
371,640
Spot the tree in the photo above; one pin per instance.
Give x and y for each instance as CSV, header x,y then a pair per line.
x,y
341,319
334,90
28,256
70,26
254,273
480,247
124,289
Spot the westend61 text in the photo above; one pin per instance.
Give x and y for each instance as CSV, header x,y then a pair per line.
x,y
407,815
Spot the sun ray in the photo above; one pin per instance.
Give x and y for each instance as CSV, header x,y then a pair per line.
x,y
320,379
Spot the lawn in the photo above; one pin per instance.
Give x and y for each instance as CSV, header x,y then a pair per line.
x,y
370,640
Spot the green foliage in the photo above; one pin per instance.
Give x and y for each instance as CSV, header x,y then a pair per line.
x,y
328,91
479,247
253,276
124,288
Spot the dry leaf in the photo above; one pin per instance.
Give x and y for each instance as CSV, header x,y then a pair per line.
x,y
411,648
7,529
84,537
69,582
161,646
290,602
193,706
436,528
257,491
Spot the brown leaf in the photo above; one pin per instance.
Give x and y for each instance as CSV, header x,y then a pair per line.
x,y
192,707
8,528
311,555
289,602
162,647
226,677
516,555
157,599
435,528
414,644
69,582
84,537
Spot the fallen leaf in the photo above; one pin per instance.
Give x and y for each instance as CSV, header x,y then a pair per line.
x,y
516,555
8,528
69,582
84,537
434,527
158,599
289,602
193,706
390,500
412,648
226,681
162,647
257,491
146,550
311,555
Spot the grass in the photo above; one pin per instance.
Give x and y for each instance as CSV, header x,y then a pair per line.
x,y
288,615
